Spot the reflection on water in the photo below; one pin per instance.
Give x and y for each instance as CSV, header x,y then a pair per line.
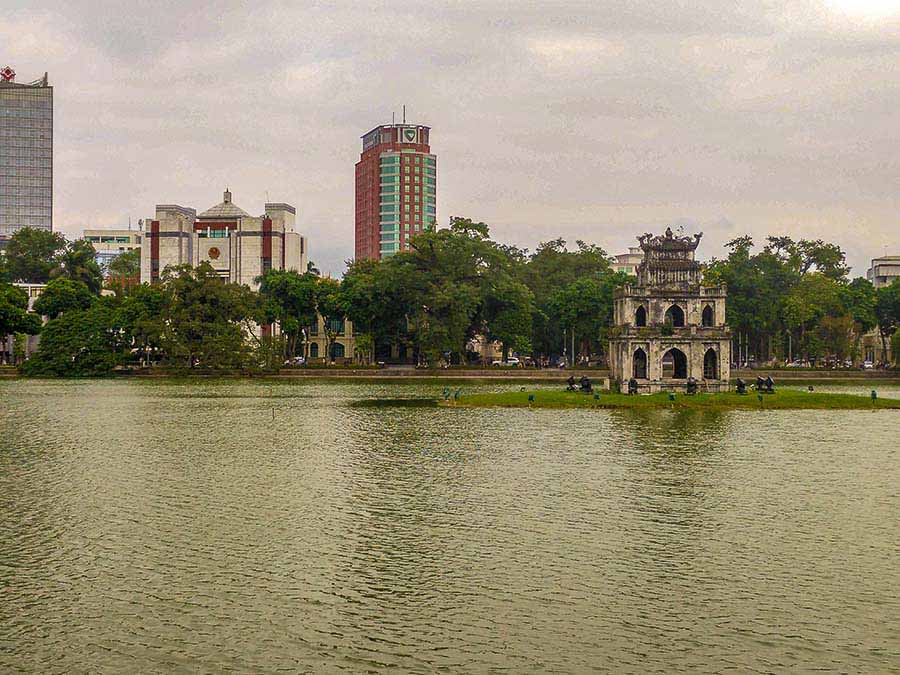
x,y
266,525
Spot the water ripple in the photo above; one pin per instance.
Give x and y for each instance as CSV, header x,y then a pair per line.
x,y
262,526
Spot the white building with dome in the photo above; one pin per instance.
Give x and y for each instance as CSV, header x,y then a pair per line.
x,y
240,247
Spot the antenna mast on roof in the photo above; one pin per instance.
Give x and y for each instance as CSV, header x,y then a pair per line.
x,y
404,113
393,118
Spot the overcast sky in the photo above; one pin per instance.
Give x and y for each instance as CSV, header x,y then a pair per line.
x,y
596,120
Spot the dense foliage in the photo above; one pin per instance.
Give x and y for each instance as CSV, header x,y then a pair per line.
x,y
428,305
794,300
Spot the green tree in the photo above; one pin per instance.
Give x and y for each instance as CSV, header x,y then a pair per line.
x,y
14,315
141,318
61,296
813,298
78,263
330,305
203,320
585,308
292,299
444,275
549,269
79,343
887,311
895,348
806,255
31,255
507,310
838,335
124,271
758,286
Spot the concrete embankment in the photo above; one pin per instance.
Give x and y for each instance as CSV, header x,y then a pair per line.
x,y
514,374
598,376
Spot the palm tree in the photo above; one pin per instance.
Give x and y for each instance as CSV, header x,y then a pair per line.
x,y
77,262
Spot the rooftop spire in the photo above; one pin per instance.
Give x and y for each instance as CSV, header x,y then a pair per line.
x,y
227,196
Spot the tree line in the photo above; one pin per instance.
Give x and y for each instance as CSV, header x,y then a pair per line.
x,y
424,305
795,300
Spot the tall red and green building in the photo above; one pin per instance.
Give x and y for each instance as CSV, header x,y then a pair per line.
x,y
396,184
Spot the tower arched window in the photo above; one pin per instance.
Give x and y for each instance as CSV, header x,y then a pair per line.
x,y
675,316
640,316
639,364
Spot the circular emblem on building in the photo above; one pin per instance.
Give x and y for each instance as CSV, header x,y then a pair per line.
x,y
214,253
8,74
409,134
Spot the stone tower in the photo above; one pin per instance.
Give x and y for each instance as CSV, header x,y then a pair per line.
x,y
668,327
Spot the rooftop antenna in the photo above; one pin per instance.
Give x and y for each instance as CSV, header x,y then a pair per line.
x,y
393,118
129,223
404,113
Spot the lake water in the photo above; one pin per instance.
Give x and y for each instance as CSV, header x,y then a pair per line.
x,y
257,526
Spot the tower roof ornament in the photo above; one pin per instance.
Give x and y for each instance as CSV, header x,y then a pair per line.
x,y
8,74
669,241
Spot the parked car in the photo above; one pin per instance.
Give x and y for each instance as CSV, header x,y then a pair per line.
x,y
296,361
868,365
511,362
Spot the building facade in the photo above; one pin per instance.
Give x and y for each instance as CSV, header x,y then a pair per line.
x,y
396,186
7,343
110,244
26,154
343,347
240,247
668,327
884,270
627,262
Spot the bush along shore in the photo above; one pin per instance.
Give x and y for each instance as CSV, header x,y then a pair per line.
x,y
780,400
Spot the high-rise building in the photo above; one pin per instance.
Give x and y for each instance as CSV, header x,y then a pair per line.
x,y
396,180
26,154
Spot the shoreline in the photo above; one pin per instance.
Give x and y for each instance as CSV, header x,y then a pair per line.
x,y
790,399
599,377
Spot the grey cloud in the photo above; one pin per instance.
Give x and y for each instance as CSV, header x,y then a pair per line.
x,y
593,120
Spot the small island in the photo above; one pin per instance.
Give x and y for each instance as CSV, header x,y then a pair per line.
x,y
780,400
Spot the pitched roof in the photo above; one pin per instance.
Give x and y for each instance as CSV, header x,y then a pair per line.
x,y
224,210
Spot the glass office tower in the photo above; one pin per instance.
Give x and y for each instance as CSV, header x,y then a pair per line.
x,y
26,154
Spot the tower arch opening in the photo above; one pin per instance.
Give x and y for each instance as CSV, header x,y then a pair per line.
x,y
639,364
640,316
675,316
708,317
710,365
674,365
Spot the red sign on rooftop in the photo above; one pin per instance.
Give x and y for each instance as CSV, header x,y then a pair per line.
x,y
8,74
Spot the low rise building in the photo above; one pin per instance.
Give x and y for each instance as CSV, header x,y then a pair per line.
x,y
110,244
240,247
7,343
627,262
884,270
343,347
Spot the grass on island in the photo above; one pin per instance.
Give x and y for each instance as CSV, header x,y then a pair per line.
x,y
781,400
